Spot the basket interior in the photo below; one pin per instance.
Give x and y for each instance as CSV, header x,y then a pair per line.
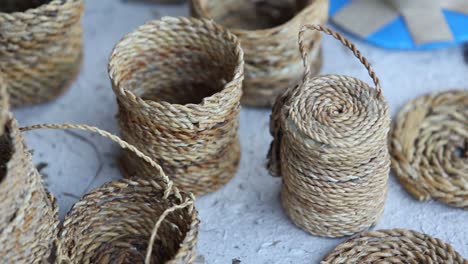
x,y
6,151
253,14
184,69
10,6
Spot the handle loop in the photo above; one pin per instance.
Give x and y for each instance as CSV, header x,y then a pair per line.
x,y
345,42
116,139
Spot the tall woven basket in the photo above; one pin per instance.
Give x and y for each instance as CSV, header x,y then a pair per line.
x,y
28,213
267,30
178,86
129,221
330,147
40,47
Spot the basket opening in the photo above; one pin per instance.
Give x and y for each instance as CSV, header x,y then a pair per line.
x,y
11,6
253,14
6,151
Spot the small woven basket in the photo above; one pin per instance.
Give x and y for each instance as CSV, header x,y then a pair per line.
x,y
267,30
129,221
394,246
330,147
429,147
178,86
40,47
28,213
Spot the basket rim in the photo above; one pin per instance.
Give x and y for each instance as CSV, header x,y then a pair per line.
x,y
230,86
201,11
39,9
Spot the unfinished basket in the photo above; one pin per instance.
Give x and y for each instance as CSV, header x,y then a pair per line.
x,y
40,47
394,246
28,213
330,147
267,30
429,147
178,86
129,221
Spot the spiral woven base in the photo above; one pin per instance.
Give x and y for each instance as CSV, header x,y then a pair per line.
x,y
394,246
40,48
114,224
267,30
178,85
429,147
28,213
330,147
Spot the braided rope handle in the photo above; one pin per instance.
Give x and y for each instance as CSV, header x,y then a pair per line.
x,y
345,42
116,139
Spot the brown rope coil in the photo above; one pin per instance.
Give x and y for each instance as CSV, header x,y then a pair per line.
x,y
129,221
429,147
178,86
40,47
394,246
267,30
28,213
330,147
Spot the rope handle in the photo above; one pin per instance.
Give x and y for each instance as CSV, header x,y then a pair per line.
x,y
122,143
158,224
345,42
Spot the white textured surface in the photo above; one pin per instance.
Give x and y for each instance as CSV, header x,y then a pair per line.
x,y
243,220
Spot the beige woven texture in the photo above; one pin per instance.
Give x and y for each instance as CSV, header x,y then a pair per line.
x,y
330,147
129,221
267,30
429,147
40,47
28,213
178,86
394,246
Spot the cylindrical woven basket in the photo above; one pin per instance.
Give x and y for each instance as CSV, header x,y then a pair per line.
x,y
40,47
178,86
129,221
394,246
267,30
429,147
28,213
330,147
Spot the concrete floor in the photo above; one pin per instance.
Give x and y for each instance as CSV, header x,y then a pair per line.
x,y
243,220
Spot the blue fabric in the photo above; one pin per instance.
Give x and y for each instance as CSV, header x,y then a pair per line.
x,y
395,35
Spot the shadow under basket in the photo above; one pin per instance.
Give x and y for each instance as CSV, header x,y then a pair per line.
x,y
268,30
114,224
178,86
28,213
40,47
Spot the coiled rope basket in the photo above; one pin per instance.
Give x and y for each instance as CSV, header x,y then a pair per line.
x,y
129,221
429,147
267,30
394,246
178,86
40,47
28,213
330,147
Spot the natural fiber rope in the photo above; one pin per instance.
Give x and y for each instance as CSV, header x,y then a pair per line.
x,y
40,48
267,30
429,147
186,250
330,146
178,86
394,246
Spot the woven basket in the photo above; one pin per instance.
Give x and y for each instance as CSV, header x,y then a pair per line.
x,y
429,147
330,147
129,221
267,30
394,246
178,86
28,213
40,47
